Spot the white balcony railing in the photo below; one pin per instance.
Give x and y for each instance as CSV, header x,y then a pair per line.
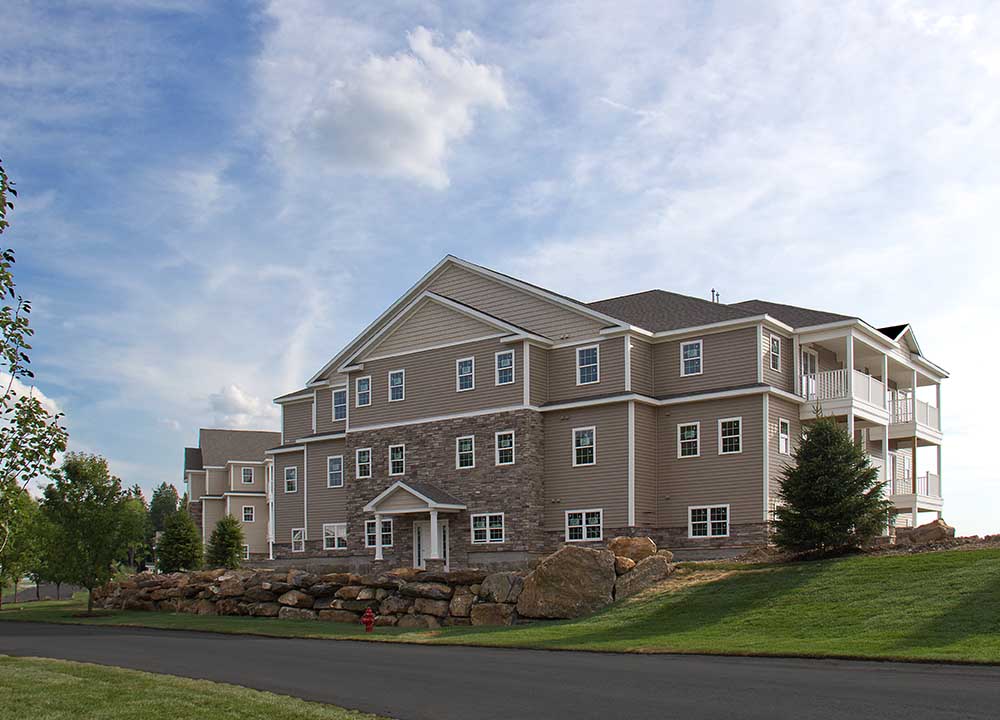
x,y
826,385
901,408
927,484
869,389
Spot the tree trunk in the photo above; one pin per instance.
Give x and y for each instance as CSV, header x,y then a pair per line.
x,y
1,594
90,600
38,591
57,590
15,591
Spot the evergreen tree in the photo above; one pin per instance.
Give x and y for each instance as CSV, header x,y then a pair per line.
x,y
225,547
180,544
832,499
162,505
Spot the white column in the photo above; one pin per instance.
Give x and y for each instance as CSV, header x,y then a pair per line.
x,y
378,536
435,552
849,363
885,381
850,424
796,359
937,402
885,459
940,481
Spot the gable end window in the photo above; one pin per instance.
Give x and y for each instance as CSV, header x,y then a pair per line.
x,y
335,471
784,437
584,525
730,436
386,533
775,352
335,536
397,459
584,446
298,539
588,365
691,353
708,521
247,476
487,528
339,405
688,440
397,385
291,479
248,513
363,392
505,367
363,463
465,374
465,452
504,447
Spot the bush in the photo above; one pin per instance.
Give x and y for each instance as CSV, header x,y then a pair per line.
x,y
225,547
180,544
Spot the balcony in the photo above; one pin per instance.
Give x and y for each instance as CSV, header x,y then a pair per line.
x,y
901,411
928,485
830,390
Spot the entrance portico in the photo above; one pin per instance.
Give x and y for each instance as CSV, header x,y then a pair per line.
x,y
413,498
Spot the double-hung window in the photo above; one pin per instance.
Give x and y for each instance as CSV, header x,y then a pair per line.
x,y
291,479
465,374
775,352
298,539
730,436
386,533
335,536
784,437
688,440
487,528
247,476
583,525
397,459
505,447
505,367
363,463
248,511
691,358
708,521
363,391
584,446
335,471
397,385
588,365
465,452
246,552
339,404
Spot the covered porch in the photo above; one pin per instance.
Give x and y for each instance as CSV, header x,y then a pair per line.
x,y
429,508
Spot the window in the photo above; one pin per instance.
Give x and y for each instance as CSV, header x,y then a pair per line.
x,y
487,528
339,404
775,352
363,391
784,437
710,521
363,463
248,513
397,385
298,539
691,358
246,552
247,475
505,447
386,533
465,452
291,479
582,525
335,471
588,365
397,459
730,436
688,440
584,449
465,374
505,367
335,536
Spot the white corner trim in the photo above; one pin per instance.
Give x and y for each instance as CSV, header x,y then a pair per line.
x,y
767,454
628,364
526,371
631,460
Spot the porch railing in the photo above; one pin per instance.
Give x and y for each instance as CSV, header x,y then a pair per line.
x,y
869,389
826,385
902,412
927,484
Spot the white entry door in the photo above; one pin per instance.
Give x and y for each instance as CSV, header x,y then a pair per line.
x,y
422,542
809,368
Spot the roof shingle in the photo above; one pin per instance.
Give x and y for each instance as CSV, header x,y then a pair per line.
x,y
220,446
659,310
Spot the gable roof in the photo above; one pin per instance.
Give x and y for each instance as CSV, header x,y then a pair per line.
x,y
659,310
797,317
893,331
221,446
433,496
192,459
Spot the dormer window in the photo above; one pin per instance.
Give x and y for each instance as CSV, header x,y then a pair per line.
x,y
588,365
691,358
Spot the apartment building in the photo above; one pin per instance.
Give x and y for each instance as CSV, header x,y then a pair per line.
x,y
227,474
481,420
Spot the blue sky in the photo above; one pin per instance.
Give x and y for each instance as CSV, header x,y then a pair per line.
x,y
216,196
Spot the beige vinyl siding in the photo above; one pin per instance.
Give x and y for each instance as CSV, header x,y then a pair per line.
x,y
211,512
516,306
642,367
781,378
236,478
729,359
288,507
431,323
645,465
539,383
216,481
562,371
604,485
297,420
712,479
430,384
196,485
827,360
780,409
255,533
324,412
903,449
326,505
400,501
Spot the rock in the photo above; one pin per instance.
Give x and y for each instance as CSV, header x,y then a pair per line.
x,y
644,575
434,591
301,579
461,604
207,576
230,588
294,613
394,605
278,588
381,594
228,606
323,589
426,606
349,592
167,593
387,582
456,621
934,531
340,579
406,573
418,621
493,614
366,593
634,548
341,616
572,582
355,605
385,620
623,564
502,587
665,553
264,609
204,607
455,577
475,588
324,603
259,594
296,599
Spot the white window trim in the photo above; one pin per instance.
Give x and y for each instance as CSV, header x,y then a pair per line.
x,y
697,424
701,357
388,391
592,428
403,471
328,459
334,527
357,463
513,447
719,428
584,526
333,404
598,364
787,437
729,521
243,476
458,365
246,551
302,539
487,541
496,367
294,479
357,393
458,443
392,533
771,354
253,513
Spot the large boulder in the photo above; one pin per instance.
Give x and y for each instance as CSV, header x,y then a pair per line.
x,y
395,604
264,609
296,599
323,589
342,616
418,621
259,594
293,613
634,548
426,606
348,592
461,603
645,574
434,591
502,587
623,564
493,614
572,582
934,531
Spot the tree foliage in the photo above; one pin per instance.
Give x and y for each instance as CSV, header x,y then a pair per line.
x,y
21,551
225,547
832,499
180,545
163,504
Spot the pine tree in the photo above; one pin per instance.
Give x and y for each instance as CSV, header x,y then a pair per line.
x,y
162,505
180,545
831,497
225,547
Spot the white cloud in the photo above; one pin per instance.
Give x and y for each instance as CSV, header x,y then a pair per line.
x,y
235,408
19,389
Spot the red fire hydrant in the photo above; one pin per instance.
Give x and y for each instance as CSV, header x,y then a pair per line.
x,y
368,620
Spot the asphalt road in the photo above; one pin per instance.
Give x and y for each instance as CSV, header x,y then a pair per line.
x,y
410,681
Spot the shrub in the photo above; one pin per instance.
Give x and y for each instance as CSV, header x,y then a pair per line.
x,y
180,545
225,547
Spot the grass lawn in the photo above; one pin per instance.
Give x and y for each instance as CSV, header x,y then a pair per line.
x,y
932,606
61,690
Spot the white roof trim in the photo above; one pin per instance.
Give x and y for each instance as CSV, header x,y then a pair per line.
x,y
400,485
